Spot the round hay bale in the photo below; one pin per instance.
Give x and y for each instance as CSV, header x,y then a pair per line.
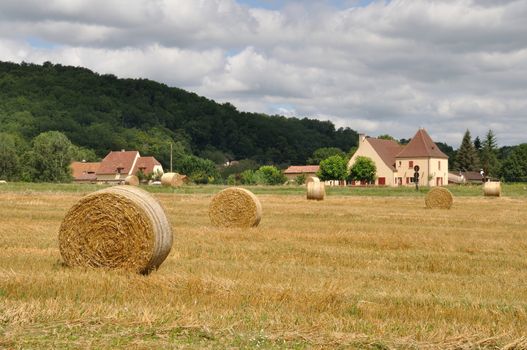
x,y
492,189
119,227
316,190
235,207
172,179
131,180
312,179
439,198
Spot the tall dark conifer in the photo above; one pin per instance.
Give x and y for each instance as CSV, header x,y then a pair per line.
x,y
489,155
467,157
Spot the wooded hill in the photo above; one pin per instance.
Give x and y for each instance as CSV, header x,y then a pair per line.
x,y
103,113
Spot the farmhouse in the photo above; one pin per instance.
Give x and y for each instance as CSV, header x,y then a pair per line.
x,y
84,172
295,170
395,163
115,167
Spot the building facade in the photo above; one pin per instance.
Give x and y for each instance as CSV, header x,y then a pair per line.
x,y
396,163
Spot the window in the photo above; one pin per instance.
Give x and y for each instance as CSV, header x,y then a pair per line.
x,y
382,181
439,164
410,164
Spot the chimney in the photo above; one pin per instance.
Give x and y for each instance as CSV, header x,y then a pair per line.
x,y
362,137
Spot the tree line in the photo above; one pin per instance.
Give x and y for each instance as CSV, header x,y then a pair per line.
x,y
52,113
508,163
102,113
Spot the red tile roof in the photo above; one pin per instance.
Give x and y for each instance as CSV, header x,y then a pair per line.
x,y
85,171
299,169
421,145
145,163
386,149
115,160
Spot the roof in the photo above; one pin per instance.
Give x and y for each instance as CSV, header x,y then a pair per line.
x,y
84,171
299,169
472,175
118,159
147,163
386,149
421,145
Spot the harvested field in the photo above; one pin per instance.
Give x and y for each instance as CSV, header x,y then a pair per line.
x,y
368,272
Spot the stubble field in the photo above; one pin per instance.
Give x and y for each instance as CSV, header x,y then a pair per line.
x,y
350,271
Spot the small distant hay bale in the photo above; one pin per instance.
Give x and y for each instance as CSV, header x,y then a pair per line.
x,y
439,198
235,207
131,180
3,182
172,179
121,227
312,179
492,189
316,189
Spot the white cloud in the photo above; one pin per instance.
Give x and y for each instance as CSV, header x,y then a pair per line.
x,y
389,67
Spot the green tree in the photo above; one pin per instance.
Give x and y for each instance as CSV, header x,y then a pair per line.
x,y
300,179
218,157
363,169
514,167
50,157
269,175
199,170
386,137
238,167
351,152
324,153
333,168
467,157
489,155
247,177
9,157
80,153
232,180
477,144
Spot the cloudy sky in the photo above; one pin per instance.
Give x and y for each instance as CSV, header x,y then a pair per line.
x,y
379,67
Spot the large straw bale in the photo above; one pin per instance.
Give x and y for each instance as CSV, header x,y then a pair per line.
x,y
235,207
131,180
172,179
492,189
316,189
439,198
312,179
119,227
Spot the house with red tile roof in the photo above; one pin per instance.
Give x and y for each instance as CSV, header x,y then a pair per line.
x,y
115,167
296,170
85,172
147,165
422,152
396,163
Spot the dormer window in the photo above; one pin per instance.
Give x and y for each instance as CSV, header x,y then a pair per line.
x,y
119,170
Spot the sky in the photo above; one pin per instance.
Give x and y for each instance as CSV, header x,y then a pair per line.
x,y
378,67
